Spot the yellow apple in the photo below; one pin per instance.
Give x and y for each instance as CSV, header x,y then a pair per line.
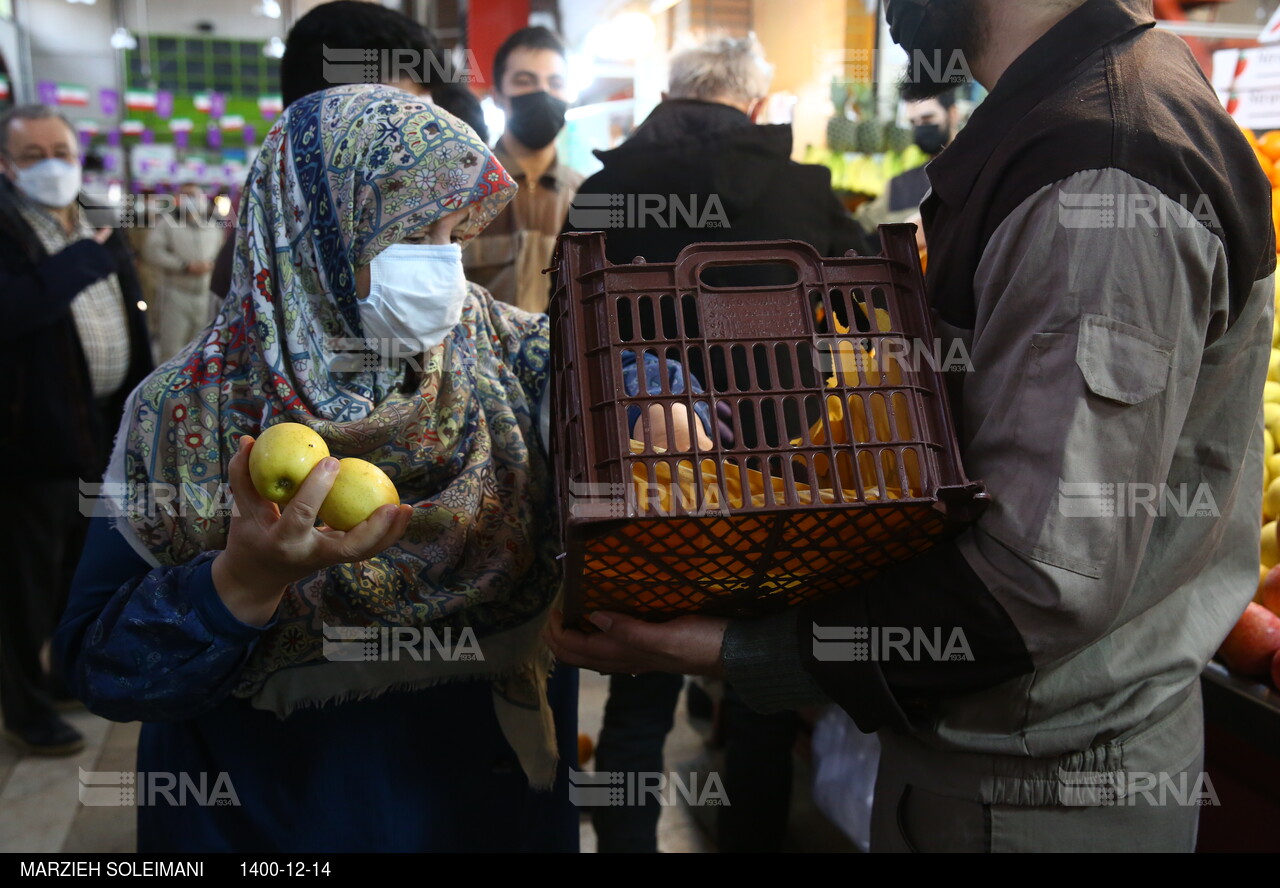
x,y
1273,465
1271,501
282,457
1273,368
358,491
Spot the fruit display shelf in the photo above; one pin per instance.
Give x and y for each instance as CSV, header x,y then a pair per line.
x,y
1248,708
1242,758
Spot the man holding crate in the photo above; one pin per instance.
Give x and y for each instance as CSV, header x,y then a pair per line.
x,y
1100,242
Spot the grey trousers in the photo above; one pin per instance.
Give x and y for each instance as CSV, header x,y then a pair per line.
x,y
925,801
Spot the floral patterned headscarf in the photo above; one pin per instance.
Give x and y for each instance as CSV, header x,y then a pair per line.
x,y
343,174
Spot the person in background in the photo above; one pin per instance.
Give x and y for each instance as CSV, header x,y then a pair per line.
x,y
529,73
352,24
182,247
702,147
934,123
72,346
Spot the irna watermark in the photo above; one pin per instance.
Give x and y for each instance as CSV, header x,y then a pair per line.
x,y
1118,789
124,789
343,65
1130,499
876,644
603,211
600,789
1112,211
370,644
154,498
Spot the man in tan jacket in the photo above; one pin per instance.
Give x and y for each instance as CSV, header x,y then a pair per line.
x,y
529,85
181,248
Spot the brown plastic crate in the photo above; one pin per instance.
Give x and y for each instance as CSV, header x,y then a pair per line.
x,y
769,359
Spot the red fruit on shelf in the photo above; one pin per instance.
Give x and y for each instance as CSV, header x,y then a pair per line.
x,y
1271,590
1251,646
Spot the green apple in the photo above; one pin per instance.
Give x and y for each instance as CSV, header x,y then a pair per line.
x,y
282,458
360,488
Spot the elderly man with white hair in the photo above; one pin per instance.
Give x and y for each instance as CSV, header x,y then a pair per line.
x,y
700,169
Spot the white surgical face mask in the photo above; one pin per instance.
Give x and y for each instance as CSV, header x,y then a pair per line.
x,y
415,297
52,182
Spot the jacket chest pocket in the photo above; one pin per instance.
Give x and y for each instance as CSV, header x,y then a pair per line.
x,y
1120,362
1090,422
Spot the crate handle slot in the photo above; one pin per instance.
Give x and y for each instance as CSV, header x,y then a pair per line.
x,y
694,258
778,268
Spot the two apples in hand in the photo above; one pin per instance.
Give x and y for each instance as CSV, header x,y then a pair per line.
x,y
286,453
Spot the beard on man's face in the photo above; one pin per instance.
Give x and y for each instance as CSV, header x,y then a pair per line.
x,y
943,48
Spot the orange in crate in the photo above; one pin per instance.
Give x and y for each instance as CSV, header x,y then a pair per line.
x,y
829,450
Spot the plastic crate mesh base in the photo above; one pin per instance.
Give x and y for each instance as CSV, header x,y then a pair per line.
x,y
745,565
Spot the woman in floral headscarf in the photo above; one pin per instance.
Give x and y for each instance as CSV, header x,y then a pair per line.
x,y
309,676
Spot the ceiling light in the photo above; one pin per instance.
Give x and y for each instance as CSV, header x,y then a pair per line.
x,y
122,39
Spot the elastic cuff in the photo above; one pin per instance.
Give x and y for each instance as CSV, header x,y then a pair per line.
x,y
762,662
213,613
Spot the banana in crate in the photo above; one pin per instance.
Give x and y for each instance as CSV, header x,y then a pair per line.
x,y
852,417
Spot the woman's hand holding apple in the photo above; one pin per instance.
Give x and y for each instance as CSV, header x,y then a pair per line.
x,y
271,546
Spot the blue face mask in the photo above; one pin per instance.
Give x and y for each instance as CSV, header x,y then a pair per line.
x,y
415,298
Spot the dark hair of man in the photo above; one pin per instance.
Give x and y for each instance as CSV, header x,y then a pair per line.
x,y
947,99
462,103
345,24
536,37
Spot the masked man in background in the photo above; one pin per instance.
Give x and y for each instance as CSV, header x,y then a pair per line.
x,y
529,80
934,123
72,346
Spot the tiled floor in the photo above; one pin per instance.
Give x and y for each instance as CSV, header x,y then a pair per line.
x,y
677,829
40,809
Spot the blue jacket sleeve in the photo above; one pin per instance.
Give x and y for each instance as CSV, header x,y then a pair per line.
x,y
653,384
138,643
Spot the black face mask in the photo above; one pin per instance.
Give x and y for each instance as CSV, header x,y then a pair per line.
x,y
536,118
939,38
931,138
905,19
